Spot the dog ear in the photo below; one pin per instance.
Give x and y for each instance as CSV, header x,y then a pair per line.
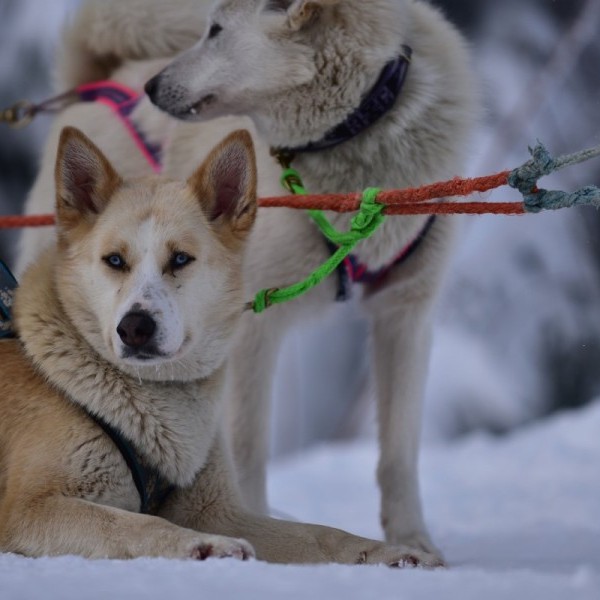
x,y
303,12
225,185
85,180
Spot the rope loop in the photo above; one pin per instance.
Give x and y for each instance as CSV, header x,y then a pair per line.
x,y
292,182
370,216
535,200
526,177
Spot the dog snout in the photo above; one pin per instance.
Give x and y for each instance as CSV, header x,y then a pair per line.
x,y
136,329
151,88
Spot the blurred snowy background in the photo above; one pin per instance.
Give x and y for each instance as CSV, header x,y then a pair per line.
x,y
509,471
518,333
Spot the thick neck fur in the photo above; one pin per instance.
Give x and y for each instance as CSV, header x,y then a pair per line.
x,y
425,134
351,42
422,139
163,420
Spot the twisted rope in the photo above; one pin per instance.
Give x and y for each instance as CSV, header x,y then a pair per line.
x,y
425,199
373,205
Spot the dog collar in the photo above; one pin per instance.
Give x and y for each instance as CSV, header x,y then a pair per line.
x,y
152,487
375,105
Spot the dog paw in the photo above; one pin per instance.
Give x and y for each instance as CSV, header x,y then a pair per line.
x,y
420,543
411,559
222,547
400,557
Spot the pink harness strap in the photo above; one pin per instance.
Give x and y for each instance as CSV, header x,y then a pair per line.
x,y
353,271
122,101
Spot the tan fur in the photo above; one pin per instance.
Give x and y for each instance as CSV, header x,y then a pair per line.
x,y
290,73
64,486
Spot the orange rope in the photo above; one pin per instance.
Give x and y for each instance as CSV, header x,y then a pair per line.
x,y
410,201
16,222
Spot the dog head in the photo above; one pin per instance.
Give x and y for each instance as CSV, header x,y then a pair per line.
x,y
149,270
251,49
298,65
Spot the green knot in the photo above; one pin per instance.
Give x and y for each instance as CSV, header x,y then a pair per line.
x,y
370,216
363,225
261,301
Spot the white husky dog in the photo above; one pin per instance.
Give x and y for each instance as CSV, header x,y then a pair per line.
x,y
305,72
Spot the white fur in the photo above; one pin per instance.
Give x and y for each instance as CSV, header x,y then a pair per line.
x,y
296,74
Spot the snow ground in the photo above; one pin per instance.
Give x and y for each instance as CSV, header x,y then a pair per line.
x,y
517,517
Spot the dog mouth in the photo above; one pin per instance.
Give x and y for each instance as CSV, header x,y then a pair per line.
x,y
143,355
204,103
151,355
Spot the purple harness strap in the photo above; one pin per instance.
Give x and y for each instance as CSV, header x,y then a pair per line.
x,y
353,271
122,101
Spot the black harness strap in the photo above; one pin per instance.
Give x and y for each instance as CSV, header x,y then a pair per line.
x,y
152,487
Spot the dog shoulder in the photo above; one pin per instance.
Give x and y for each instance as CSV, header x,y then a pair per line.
x,y
49,446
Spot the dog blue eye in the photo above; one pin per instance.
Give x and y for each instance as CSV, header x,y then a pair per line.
x,y
180,260
215,30
115,261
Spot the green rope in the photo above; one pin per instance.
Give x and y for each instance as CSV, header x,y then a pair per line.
x,y
525,179
363,225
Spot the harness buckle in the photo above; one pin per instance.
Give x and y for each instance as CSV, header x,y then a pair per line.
x,y
291,182
283,157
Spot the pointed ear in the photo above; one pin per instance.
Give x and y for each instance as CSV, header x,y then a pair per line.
x,y
225,185
304,12
85,180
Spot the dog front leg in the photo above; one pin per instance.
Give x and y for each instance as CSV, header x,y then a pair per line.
x,y
250,373
59,525
212,504
401,347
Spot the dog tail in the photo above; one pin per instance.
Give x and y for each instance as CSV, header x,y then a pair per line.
x,y
105,33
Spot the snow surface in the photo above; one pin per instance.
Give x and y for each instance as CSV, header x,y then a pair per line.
x,y
517,517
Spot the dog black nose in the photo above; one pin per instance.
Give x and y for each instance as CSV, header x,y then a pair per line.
x,y
152,87
136,329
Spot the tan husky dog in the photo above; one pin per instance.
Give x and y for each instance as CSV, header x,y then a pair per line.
x,y
112,393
